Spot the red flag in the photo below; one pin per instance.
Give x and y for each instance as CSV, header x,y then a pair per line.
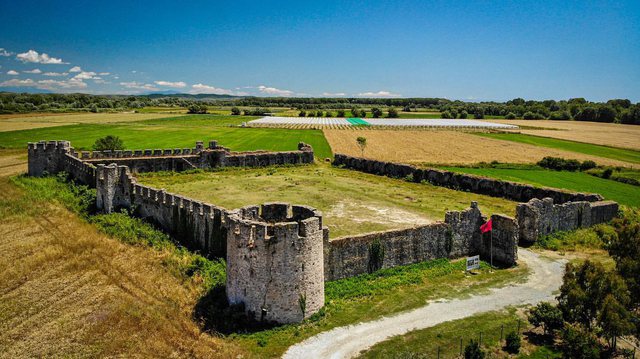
x,y
485,227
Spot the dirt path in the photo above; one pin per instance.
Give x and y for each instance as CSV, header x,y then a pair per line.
x,y
347,342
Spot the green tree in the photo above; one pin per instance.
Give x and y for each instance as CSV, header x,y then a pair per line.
x,y
235,111
464,114
615,320
340,113
302,113
579,343
393,113
546,315
510,116
197,109
362,144
108,143
376,112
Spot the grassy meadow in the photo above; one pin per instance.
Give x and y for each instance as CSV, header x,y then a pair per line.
x,y
575,181
352,202
176,132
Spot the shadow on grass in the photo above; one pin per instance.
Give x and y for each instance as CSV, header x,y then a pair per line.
x,y
217,315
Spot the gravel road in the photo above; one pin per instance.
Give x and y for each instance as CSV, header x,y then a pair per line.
x,y
544,278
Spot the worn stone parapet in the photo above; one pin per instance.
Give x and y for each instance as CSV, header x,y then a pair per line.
x,y
538,218
464,182
275,261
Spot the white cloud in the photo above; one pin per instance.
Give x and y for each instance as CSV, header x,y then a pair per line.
x,y
12,72
18,83
85,75
34,56
5,53
55,74
104,73
72,83
75,69
334,94
34,71
139,86
379,94
178,84
201,88
274,91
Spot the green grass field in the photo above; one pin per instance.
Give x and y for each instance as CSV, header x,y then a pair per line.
x,y
178,132
352,202
575,181
579,147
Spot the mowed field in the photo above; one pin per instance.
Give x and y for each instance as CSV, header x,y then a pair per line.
x,y
67,290
175,132
451,147
607,134
30,121
352,202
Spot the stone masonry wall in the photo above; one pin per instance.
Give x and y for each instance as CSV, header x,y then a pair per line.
x,y
538,218
458,236
191,158
464,182
275,254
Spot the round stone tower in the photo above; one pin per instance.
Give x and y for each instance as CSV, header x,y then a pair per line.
x,y
275,261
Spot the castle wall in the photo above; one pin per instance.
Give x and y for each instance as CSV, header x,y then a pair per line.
x,y
274,261
501,243
464,182
457,237
538,218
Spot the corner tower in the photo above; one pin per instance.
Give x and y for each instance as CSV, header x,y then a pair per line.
x,y
275,261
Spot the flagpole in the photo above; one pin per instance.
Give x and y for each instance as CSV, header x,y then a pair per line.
x,y
491,247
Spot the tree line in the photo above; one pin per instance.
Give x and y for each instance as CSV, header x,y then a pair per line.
x,y
579,109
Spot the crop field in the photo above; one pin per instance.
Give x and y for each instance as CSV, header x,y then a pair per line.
x,y
175,132
620,154
607,134
451,147
29,121
352,202
576,181
333,122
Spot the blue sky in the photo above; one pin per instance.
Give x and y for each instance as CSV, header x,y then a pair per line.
x,y
469,50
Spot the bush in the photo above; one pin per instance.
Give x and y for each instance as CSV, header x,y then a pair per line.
x,y
446,114
579,343
560,115
559,164
607,173
532,116
197,109
587,165
302,113
108,143
235,111
510,116
473,351
340,113
393,113
546,315
376,112
479,115
464,114
513,342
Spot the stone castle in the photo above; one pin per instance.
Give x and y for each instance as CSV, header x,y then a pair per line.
x,y
279,256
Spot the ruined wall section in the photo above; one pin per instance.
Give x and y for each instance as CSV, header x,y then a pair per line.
x,y
199,157
538,218
464,182
502,241
275,261
457,237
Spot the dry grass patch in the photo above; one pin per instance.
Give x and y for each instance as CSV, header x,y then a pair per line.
x,y
607,134
29,121
67,290
444,147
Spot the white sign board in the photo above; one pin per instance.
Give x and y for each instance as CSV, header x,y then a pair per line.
x,y
473,262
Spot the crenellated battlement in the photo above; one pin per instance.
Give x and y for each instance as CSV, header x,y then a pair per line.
x,y
276,252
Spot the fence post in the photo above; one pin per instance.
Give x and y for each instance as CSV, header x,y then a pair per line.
x,y
461,346
438,352
518,326
501,332
480,338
